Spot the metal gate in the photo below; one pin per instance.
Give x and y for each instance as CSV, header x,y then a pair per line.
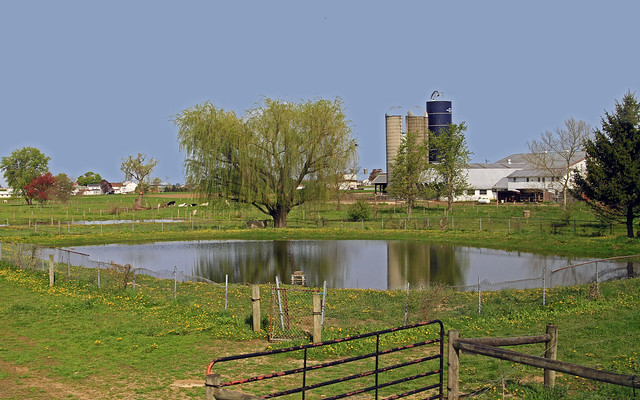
x,y
385,364
291,314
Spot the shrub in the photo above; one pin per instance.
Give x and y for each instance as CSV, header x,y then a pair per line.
x,y
359,210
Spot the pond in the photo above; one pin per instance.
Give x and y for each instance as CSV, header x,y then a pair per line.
x,y
364,264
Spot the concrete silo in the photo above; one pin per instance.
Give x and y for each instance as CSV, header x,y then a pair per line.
x,y
393,130
418,124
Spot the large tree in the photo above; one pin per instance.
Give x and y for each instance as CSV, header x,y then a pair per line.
x,y
40,188
139,169
89,178
265,157
611,185
447,172
22,166
62,188
556,153
406,172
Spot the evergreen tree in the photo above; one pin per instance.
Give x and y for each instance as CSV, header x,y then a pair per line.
x,y
611,185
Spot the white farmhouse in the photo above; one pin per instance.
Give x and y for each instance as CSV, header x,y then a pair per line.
x,y
6,193
125,187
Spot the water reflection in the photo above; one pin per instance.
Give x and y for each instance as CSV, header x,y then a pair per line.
x,y
375,264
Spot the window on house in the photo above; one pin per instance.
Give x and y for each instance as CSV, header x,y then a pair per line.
x,y
538,179
482,191
527,179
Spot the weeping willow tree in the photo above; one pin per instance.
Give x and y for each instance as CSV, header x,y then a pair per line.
x,y
277,156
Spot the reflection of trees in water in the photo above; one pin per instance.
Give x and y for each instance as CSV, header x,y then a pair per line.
x,y
420,263
262,261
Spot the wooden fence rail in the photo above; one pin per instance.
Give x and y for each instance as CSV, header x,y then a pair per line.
x,y
489,347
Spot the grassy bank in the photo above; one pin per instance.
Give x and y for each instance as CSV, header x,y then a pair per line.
x,y
73,341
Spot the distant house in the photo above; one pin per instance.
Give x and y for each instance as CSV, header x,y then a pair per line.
x,y
92,189
127,187
5,193
349,182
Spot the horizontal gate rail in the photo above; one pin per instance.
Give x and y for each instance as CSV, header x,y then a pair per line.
x,y
370,373
560,366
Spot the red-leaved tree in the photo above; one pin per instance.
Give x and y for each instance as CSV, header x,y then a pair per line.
x,y
39,188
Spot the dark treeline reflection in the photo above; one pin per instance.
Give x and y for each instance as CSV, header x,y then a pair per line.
x,y
336,262
262,261
420,264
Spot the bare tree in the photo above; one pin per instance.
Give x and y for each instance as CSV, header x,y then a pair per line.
x,y
136,168
557,152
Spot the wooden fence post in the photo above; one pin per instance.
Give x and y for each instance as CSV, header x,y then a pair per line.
x,y
317,318
212,381
51,271
453,366
551,353
255,302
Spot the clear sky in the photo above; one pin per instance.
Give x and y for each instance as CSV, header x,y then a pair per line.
x,y
89,83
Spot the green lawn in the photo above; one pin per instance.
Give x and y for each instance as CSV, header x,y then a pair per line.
x,y
137,343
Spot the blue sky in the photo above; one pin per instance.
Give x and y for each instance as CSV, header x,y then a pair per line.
x,y
90,83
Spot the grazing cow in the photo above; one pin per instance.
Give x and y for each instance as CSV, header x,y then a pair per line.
x,y
182,205
193,204
171,203
204,204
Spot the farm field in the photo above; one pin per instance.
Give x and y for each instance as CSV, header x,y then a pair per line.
x,y
73,341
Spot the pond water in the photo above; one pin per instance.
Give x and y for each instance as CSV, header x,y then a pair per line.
x,y
365,264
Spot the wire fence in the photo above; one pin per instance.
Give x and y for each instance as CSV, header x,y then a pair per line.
x,y
425,222
408,305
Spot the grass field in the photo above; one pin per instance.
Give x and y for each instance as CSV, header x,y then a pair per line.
x,y
74,341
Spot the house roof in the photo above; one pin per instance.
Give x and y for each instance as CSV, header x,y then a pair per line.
x,y
380,179
485,176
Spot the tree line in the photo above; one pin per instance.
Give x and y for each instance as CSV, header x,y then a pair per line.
x,y
26,171
281,154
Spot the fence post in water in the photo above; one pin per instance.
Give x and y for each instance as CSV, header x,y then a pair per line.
x,y
175,283
98,272
453,366
134,277
51,271
255,303
317,318
551,353
226,290
68,265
